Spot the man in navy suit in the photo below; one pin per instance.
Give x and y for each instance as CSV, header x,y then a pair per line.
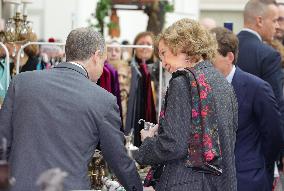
x,y
258,58
259,129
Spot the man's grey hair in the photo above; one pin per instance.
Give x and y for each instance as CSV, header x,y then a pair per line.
x,y
81,43
255,8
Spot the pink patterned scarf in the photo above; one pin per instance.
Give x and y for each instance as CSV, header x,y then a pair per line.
x,y
204,152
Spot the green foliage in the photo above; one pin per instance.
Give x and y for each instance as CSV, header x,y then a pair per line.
x,y
168,7
102,11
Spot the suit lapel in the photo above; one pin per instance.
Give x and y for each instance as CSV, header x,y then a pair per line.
x,y
239,85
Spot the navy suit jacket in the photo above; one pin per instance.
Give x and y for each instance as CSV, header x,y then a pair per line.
x,y
260,59
259,135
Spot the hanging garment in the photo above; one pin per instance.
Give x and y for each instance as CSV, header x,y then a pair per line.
x,y
133,105
150,112
115,90
145,103
33,63
105,79
114,83
4,79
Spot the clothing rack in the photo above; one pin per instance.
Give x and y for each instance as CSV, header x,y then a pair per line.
x,y
63,44
7,61
129,46
33,43
111,45
160,87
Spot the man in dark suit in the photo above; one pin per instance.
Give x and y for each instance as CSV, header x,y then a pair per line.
x,y
55,118
259,129
255,57
258,58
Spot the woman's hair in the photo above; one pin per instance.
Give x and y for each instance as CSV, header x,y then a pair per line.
x,y
189,37
143,34
32,50
112,41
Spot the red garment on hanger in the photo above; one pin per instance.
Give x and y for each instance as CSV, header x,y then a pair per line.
x,y
150,114
105,79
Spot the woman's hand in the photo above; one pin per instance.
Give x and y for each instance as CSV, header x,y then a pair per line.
x,y
149,133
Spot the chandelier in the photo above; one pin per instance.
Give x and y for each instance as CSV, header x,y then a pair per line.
x,y
18,28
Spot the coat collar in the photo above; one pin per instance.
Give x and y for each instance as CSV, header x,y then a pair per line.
x,y
203,64
248,34
252,32
70,66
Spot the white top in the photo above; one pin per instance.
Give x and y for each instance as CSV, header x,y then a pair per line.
x,y
253,32
230,76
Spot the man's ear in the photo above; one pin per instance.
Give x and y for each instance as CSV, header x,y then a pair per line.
x,y
259,21
231,57
96,56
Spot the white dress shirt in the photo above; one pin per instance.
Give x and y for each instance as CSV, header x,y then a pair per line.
x,y
230,76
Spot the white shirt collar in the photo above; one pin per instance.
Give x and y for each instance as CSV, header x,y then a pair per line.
x,y
82,67
253,32
78,65
230,76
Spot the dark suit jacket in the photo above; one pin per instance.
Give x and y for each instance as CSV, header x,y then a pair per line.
x,y
260,59
171,144
55,118
259,132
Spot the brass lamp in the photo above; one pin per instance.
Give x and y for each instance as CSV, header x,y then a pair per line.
x,y
18,27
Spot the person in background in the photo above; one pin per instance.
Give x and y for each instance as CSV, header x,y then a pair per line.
x,y
56,117
142,103
199,107
259,135
277,41
126,52
29,59
146,55
31,52
113,53
277,44
114,57
208,23
279,35
258,58
124,78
